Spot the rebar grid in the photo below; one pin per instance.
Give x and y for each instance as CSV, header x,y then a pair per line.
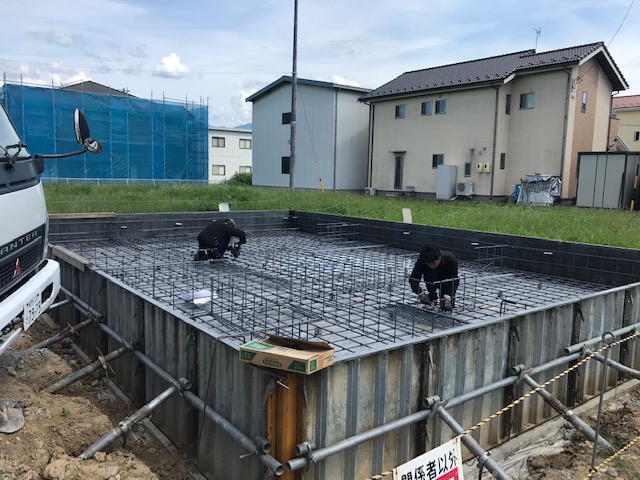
x,y
351,294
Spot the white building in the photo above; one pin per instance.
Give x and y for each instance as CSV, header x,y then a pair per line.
x,y
230,152
331,135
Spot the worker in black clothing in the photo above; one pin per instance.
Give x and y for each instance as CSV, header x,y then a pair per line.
x,y
214,240
440,272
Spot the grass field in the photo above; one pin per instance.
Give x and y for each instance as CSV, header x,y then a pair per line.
x,y
585,225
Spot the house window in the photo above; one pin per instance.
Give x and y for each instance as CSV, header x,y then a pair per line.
x,y
286,118
245,144
441,106
285,165
507,105
583,107
217,142
467,169
636,136
438,159
397,174
527,100
400,111
426,108
217,169
503,161
242,169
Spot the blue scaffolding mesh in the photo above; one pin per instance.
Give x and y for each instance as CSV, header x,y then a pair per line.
x,y
142,140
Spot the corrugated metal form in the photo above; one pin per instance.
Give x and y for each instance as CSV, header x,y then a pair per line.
x,y
363,391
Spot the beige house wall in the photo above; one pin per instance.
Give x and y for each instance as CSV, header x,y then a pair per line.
x,y
466,125
629,123
536,134
590,128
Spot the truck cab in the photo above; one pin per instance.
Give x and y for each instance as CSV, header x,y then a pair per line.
x,y
29,281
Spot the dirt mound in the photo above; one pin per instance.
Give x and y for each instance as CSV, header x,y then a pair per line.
x,y
59,427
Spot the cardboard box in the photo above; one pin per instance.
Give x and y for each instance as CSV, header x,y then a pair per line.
x,y
292,355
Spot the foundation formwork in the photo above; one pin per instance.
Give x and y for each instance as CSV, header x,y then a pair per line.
x,y
342,280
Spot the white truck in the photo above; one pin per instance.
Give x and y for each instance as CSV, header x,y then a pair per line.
x,y
29,282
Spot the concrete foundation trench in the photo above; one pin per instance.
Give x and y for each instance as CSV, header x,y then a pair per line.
x,y
404,379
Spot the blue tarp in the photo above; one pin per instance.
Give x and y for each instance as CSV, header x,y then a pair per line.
x,y
142,139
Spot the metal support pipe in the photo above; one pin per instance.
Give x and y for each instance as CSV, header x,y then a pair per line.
x,y
254,447
556,362
322,453
479,392
267,460
484,458
58,304
127,424
140,356
10,339
62,335
578,347
563,410
81,305
86,371
612,363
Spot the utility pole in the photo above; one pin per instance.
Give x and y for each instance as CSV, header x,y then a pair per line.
x,y
538,33
294,87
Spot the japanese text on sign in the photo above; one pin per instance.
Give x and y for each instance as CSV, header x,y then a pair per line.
x,y
441,463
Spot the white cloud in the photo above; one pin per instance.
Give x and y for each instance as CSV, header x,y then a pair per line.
x,y
57,38
344,81
171,67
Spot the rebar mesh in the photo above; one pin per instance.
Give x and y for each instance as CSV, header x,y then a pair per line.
x,y
330,286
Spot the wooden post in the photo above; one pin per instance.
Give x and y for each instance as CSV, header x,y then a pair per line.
x,y
285,432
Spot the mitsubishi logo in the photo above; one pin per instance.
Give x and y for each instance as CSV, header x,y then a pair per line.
x,y
17,270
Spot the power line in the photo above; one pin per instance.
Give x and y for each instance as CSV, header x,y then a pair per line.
x,y
614,36
621,23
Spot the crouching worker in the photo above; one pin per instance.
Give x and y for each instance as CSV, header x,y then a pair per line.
x,y
440,272
216,237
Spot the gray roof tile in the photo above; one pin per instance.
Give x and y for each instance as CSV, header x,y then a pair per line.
x,y
482,71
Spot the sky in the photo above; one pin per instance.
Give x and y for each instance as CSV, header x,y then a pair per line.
x,y
218,53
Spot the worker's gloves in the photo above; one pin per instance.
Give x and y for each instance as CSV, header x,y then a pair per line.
x,y
425,299
446,305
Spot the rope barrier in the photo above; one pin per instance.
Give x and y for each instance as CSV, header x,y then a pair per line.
x,y
535,390
547,383
611,458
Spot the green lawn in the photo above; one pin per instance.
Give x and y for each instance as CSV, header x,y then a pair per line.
x,y
586,225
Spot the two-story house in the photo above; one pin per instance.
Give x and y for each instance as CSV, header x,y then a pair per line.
x,y
495,119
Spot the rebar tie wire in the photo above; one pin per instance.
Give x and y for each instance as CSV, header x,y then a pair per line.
x,y
535,390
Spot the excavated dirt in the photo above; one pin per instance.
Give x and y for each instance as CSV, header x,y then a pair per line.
x,y
557,451
59,427
619,424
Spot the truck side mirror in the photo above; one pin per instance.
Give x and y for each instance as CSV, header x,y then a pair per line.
x,y
83,136
81,126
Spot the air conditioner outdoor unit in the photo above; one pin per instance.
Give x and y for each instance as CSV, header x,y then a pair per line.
x,y
370,191
464,188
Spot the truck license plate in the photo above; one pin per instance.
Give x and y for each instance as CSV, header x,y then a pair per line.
x,y
32,310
